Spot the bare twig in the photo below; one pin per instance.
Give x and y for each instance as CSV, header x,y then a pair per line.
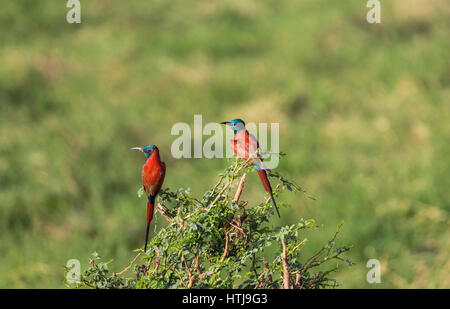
x,y
129,266
158,258
237,227
227,247
142,270
181,225
286,272
189,273
239,189
314,279
266,265
164,212
198,268
313,260
298,277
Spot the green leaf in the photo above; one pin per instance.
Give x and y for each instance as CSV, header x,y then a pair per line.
x,y
141,192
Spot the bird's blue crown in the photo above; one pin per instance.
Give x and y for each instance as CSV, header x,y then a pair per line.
x,y
148,150
237,125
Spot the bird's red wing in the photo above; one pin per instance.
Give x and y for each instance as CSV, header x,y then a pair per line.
x,y
233,145
246,145
163,175
253,144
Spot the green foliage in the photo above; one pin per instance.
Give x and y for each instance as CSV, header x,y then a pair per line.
x,y
220,242
97,277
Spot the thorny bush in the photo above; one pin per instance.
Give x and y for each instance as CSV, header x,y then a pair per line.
x,y
219,241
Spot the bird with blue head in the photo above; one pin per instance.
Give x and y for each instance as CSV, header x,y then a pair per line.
x,y
245,146
153,173
235,124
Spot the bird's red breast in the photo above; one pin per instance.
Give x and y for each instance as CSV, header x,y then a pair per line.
x,y
244,144
153,173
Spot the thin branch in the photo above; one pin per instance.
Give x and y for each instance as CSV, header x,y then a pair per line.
x,y
308,264
314,279
235,172
266,265
227,247
236,227
198,268
298,277
239,189
129,266
158,258
160,208
286,272
188,271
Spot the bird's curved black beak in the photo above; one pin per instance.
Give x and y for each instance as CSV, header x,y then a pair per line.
x,y
137,148
226,123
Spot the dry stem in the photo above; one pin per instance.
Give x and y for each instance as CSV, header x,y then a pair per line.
x,y
286,272
190,275
129,266
239,189
163,211
227,247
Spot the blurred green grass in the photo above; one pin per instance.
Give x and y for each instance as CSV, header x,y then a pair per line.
x,y
363,112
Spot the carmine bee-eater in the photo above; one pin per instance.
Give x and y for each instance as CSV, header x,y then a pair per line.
x,y
153,173
245,145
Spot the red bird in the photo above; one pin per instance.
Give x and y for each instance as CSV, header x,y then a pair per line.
x,y
153,173
245,145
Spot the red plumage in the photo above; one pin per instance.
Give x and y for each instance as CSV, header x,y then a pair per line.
x,y
150,207
153,173
246,146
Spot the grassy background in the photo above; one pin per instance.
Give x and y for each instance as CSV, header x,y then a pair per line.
x,y
363,112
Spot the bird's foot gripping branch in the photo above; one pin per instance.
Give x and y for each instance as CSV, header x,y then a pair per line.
x,y
220,241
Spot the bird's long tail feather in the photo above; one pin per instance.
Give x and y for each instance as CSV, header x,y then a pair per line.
x,y
263,176
150,206
275,204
